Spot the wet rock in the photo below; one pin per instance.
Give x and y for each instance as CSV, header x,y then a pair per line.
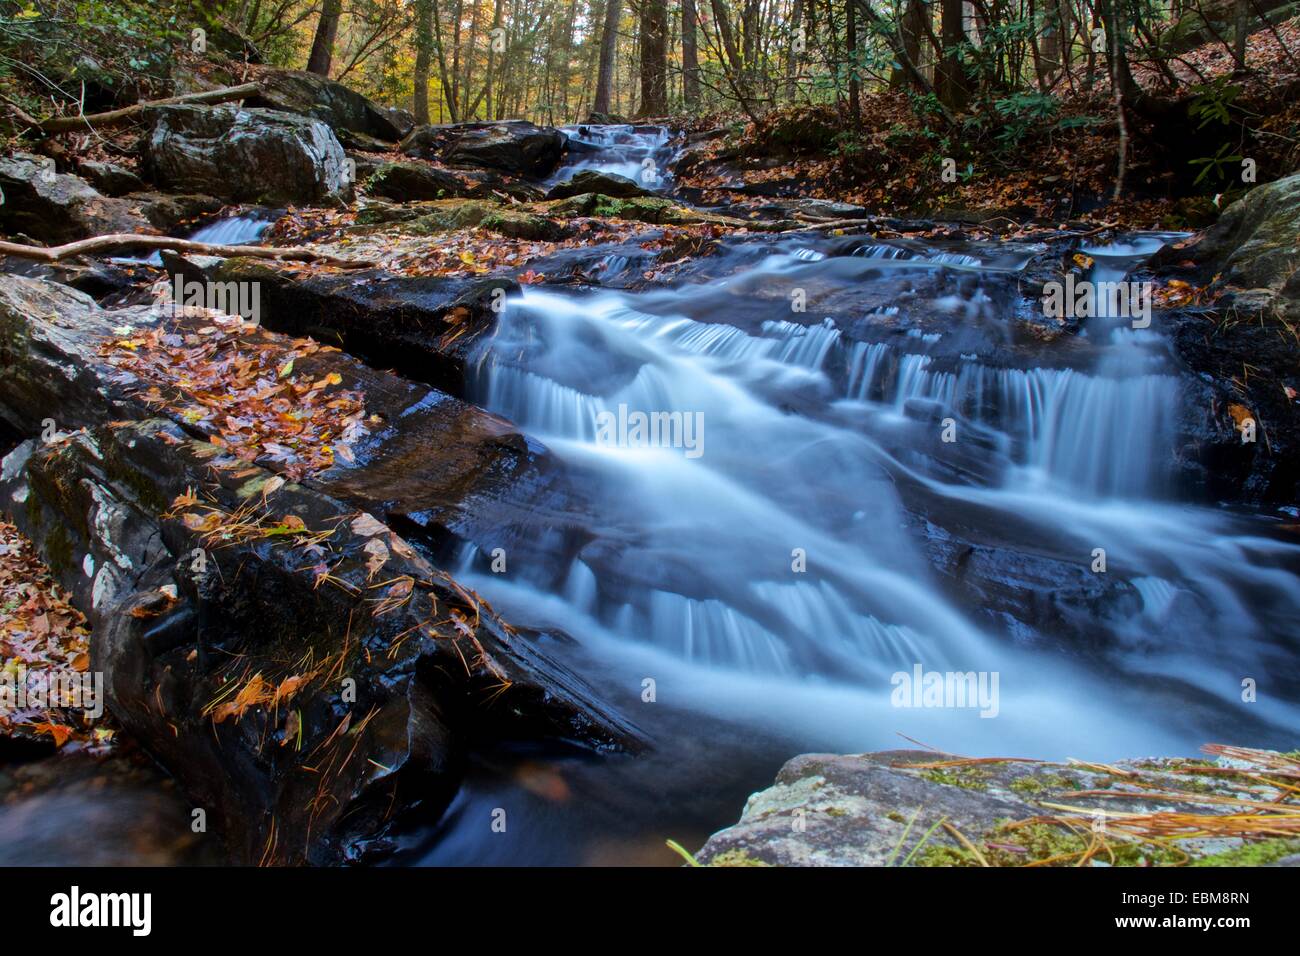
x,y
336,105
414,181
514,146
168,211
243,155
383,703
593,181
111,179
1219,459
55,208
424,327
998,566
96,279
362,142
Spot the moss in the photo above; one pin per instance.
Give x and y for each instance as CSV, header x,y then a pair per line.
x,y
1039,842
940,854
516,225
736,858
652,209
58,550
1029,784
1035,784
968,778
33,508
1263,853
144,489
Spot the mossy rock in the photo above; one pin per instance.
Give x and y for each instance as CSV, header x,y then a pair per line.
x,y
1256,243
655,210
448,215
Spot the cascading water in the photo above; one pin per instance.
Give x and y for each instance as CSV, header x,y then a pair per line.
x,y
772,572
640,153
232,231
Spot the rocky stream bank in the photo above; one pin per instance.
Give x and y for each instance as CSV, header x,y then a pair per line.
x,y
265,518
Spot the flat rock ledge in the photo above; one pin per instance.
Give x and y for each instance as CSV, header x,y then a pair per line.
x,y
920,808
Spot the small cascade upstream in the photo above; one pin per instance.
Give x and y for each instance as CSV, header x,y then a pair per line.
x,y
231,231
776,566
640,153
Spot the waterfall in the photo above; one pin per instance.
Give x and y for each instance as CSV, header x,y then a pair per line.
x,y
639,153
797,548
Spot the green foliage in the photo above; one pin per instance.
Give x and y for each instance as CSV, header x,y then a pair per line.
x,y
1213,101
1215,164
1022,113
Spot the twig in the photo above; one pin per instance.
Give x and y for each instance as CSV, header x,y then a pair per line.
x,y
64,124
118,241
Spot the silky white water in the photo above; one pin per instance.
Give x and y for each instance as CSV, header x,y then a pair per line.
x,y
689,576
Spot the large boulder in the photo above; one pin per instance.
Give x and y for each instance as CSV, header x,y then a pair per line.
x,y
514,146
247,155
1255,245
57,207
303,695
594,181
111,179
413,181
342,108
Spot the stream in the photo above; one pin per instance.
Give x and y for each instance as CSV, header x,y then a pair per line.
x,y
817,534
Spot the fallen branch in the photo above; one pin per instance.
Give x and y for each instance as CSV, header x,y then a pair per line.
x,y
830,224
119,241
65,124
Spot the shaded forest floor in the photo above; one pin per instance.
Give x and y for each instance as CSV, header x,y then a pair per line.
x,y
1051,159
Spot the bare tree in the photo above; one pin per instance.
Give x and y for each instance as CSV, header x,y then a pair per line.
x,y
322,45
691,55
608,43
423,54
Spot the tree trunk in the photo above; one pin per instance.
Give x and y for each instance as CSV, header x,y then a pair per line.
x,y
1241,28
322,47
608,42
691,54
654,57
448,93
950,79
467,82
851,41
749,26
911,29
793,51
423,54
